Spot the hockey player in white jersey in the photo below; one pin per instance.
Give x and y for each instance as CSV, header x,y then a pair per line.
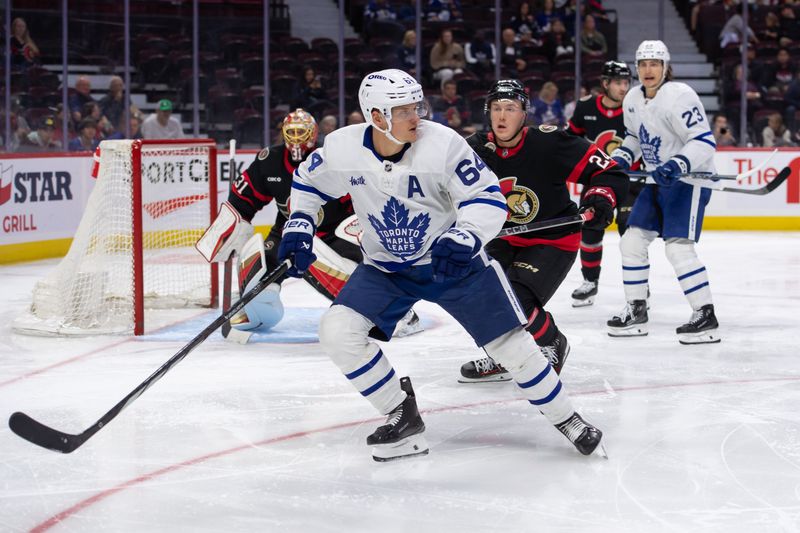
x,y
666,125
427,204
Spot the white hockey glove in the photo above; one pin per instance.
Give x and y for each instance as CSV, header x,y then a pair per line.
x,y
226,235
265,310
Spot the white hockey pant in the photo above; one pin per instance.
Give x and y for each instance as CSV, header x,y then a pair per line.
x,y
519,354
343,334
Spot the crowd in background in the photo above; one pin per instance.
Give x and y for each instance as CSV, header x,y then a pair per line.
x,y
537,46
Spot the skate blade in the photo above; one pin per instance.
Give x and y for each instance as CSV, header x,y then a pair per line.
x,y
583,303
408,447
704,337
638,330
505,376
238,336
406,330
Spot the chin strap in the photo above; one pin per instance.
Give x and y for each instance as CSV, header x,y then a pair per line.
x,y
388,133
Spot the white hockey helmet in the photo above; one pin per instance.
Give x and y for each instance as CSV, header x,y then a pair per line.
x,y
653,50
385,89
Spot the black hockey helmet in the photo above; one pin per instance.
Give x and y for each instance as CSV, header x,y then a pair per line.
x,y
615,69
507,90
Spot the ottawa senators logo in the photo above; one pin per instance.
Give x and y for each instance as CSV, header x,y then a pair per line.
x,y
523,204
608,141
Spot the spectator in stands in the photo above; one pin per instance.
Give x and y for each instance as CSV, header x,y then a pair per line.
x,y
790,27
546,107
379,10
722,131
792,99
480,55
775,133
104,127
778,75
58,117
449,108
24,52
407,53
87,137
558,42
447,57
733,93
136,128
313,97
355,117
772,28
593,43
548,14
81,96
733,32
443,10
326,126
161,124
111,105
511,53
523,22
569,108
42,139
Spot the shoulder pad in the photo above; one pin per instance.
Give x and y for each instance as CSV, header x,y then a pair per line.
x,y
548,128
263,154
586,98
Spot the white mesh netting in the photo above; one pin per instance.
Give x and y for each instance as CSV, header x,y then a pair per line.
x,y
91,291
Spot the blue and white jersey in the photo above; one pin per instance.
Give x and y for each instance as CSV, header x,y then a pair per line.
x,y
673,125
404,203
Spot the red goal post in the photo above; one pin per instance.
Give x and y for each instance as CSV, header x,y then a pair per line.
x,y
134,247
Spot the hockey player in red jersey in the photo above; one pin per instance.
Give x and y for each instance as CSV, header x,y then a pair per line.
x,y
534,165
599,119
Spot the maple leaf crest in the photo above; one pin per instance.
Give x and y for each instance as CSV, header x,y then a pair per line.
x,y
400,237
650,146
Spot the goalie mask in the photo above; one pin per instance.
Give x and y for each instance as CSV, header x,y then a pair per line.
x,y
299,134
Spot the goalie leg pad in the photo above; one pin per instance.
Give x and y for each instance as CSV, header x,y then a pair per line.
x,y
343,334
330,271
266,309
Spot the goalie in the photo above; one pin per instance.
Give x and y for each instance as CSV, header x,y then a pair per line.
x,y
267,179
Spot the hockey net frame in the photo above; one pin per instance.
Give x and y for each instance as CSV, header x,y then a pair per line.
x,y
59,309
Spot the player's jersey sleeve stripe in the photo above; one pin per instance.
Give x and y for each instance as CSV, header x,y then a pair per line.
x,y
581,166
575,129
702,138
501,205
262,197
312,190
685,160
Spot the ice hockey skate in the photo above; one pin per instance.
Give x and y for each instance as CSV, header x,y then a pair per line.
x,y
483,370
401,436
557,352
631,322
583,435
702,327
409,325
584,295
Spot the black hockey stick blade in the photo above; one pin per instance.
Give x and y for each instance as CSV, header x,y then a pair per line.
x,y
227,274
776,182
41,435
52,439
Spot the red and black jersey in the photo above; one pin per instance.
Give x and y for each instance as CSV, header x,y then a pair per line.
x,y
268,178
597,123
533,177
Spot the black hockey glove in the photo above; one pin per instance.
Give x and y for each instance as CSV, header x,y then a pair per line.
x,y
602,200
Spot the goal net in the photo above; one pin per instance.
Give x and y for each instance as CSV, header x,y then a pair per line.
x,y
134,247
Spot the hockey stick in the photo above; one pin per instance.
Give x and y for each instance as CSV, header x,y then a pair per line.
x,y
707,183
586,216
711,175
228,269
52,439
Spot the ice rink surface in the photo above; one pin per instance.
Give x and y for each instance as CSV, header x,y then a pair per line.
x,y
271,437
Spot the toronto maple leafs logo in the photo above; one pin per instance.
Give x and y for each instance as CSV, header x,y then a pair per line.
x,y
399,236
650,147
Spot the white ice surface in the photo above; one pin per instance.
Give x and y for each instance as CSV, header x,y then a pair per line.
x,y
270,436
